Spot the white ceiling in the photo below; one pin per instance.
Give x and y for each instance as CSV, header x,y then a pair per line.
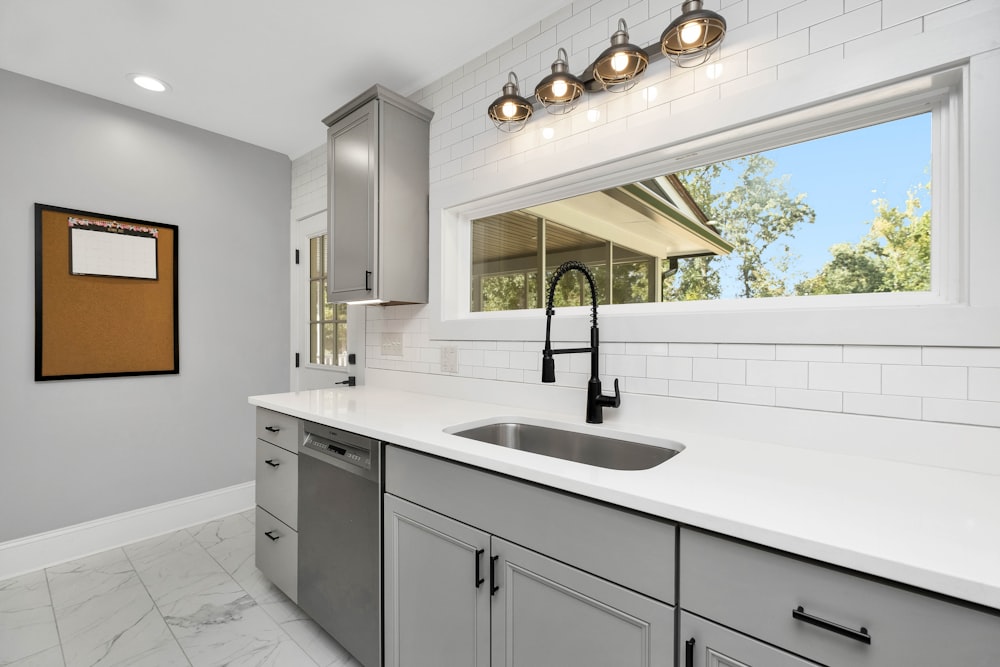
x,y
262,71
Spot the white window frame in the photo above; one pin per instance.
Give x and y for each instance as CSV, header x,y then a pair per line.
x,y
958,310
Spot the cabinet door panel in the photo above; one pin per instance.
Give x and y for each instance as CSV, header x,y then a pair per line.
x,y
435,614
548,613
352,181
705,644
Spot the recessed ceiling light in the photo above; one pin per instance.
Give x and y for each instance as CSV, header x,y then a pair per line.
x,y
149,82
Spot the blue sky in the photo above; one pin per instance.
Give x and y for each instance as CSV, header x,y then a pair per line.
x,y
842,174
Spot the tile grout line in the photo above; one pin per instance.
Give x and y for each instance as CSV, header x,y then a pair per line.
x,y
156,605
55,621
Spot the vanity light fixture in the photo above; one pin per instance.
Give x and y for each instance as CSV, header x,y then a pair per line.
x,y
560,91
149,82
694,36
620,65
510,111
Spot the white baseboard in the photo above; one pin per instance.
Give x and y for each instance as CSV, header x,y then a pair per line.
x,y
35,552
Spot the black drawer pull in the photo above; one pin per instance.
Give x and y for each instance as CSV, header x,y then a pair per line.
x,y
479,560
271,463
270,533
857,635
493,575
272,429
689,653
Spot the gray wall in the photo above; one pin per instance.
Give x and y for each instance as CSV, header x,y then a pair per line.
x,y
76,450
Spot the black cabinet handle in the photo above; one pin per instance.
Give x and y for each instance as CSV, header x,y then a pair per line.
x,y
689,653
270,533
368,274
272,429
479,560
493,575
857,635
271,463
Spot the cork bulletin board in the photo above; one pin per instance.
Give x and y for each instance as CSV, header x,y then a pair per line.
x,y
105,295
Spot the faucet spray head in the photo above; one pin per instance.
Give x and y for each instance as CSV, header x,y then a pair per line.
x,y
548,366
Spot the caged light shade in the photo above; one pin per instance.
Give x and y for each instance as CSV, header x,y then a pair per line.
x,y
694,36
510,111
619,66
560,91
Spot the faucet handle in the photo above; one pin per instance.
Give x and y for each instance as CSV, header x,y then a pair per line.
x,y
608,401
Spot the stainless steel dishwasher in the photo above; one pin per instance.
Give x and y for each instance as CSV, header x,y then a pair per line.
x,y
340,537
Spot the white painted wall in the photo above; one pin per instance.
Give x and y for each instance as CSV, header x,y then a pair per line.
x,y
77,450
812,48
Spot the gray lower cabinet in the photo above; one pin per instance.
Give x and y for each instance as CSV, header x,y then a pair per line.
x,y
831,616
707,644
277,483
456,595
437,601
548,613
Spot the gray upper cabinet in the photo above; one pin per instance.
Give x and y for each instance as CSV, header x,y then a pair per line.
x,y
377,170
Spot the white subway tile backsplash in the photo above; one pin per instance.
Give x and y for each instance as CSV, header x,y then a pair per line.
x,y
866,378
981,413
625,364
754,33
984,384
737,351
673,368
528,361
496,358
792,374
760,8
852,25
694,350
897,11
778,51
730,371
882,354
708,391
804,14
468,357
876,42
654,386
809,352
647,349
809,399
929,381
806,66
902,407
739,393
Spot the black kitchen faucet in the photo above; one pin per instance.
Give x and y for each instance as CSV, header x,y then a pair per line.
x,y
596,400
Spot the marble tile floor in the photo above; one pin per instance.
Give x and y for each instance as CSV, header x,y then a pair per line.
x,y
193,597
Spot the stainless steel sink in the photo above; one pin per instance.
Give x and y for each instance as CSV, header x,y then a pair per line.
x,y
592,449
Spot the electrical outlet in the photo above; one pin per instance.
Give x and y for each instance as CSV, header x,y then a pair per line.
x,y
392,344
449,359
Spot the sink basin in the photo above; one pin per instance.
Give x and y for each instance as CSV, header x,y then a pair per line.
x,y
592,449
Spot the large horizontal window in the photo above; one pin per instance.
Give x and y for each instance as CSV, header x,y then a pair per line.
x,y
845,213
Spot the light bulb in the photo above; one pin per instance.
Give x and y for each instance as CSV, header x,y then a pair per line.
x,y
149,83
691,32
508,109
619,61
559,87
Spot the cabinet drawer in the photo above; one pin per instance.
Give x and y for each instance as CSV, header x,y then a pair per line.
x,y
278,429
277,486
276,553
755,591
634,550
707,644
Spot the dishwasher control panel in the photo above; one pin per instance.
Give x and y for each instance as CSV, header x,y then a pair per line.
x,y
340,445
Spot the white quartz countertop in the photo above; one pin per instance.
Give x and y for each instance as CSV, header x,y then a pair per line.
x,y
930,527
